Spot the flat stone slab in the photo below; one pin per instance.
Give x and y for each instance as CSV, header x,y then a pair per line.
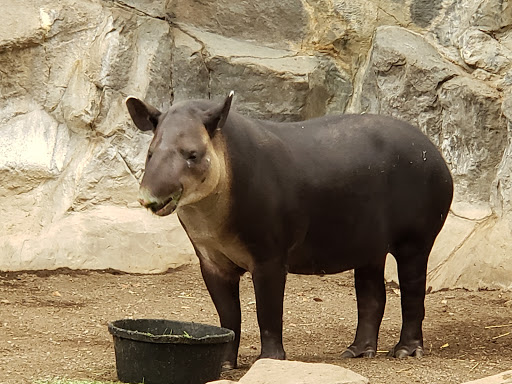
x,y
502,378
268,371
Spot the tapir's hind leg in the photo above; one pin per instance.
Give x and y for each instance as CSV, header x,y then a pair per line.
x,y
371,300
412,272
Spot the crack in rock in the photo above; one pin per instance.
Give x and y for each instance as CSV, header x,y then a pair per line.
x,y
123,5
479,220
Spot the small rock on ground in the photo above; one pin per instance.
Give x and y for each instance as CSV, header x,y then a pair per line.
x,y
502,378
268,371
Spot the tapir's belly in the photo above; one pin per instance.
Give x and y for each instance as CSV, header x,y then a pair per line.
x,y
313,258
339,245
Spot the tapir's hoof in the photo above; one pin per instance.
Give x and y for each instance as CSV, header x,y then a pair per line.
x,y
351,353
276,355
405,352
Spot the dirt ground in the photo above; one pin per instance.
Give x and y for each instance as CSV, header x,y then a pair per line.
x,y
54,324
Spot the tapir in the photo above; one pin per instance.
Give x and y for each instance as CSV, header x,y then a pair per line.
x,y
320,196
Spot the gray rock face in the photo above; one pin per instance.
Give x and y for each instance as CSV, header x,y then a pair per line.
x,y
280,84
272,23
479,49
70,159
423,12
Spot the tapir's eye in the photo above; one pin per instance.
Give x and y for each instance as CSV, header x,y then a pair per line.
x,y
190,155
150,155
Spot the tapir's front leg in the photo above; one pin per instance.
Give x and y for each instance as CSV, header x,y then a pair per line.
x,y
269,281
224,291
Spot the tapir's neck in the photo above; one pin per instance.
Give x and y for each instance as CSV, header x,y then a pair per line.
x,y
243,148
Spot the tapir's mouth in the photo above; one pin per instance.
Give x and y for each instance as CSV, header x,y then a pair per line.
x,y
161,207
168,207
158,205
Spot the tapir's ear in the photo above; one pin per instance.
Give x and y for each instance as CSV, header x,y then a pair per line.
x,y
143,115
215,118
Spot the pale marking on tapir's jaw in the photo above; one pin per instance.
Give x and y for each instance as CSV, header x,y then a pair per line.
x,y
196,188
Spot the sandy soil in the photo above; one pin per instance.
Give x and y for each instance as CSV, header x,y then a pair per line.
x,y
54,324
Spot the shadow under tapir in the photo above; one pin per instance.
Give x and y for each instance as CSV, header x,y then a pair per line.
x,y
314,197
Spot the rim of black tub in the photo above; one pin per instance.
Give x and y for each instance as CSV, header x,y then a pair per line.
x,y
169,331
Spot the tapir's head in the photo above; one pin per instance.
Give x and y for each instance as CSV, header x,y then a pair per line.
x,y
182,166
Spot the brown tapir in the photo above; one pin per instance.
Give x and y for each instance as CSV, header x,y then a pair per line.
x,y
314,197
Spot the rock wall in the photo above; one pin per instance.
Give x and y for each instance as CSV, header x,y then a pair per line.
x,y
70,160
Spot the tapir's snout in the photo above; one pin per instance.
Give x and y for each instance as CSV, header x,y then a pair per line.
x,y
146,198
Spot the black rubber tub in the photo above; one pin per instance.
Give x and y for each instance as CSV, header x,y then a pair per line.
x,y
152,351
